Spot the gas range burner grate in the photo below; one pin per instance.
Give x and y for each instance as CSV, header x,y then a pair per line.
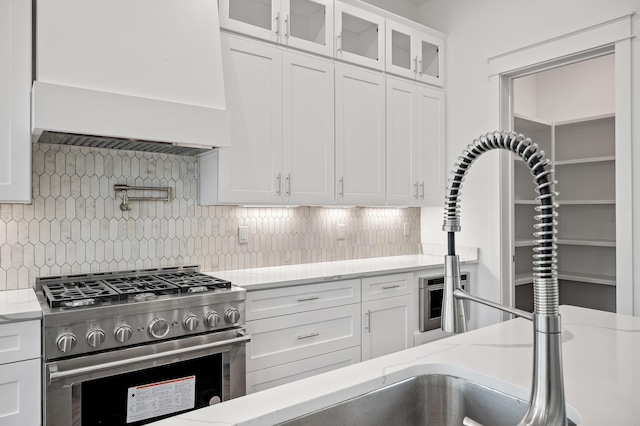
x,y
73,294
129,287
192,282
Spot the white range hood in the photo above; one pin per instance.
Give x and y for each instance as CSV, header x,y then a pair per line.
x,y
142,74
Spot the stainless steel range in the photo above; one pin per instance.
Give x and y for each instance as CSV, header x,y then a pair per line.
x,y
152,343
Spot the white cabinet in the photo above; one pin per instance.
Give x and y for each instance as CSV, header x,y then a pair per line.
x,y
583,154
414,54
359,36
303,24
415,145
20,373
15,86
387,314
299,331
282,149
360,137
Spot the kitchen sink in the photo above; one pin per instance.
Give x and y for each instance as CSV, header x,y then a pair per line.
x,y
430,399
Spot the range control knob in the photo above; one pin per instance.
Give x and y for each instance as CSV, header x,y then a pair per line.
x,y
232,315
158,328
212,319
66,342
122,333
191,322
95,337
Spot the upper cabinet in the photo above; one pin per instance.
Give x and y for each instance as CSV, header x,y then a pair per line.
x,y
303,24
282,151
360,137
415,144
15,86
359,36
414,54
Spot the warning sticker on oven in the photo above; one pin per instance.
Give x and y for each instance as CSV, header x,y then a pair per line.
x,y
157,399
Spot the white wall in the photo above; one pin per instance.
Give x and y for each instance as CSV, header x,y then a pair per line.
x,y
583,89
525,99
404,8
478,30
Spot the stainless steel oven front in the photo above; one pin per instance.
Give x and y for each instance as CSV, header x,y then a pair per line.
x,y
431,291
141,384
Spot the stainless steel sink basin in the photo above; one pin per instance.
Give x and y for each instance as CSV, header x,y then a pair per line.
x,y
431,399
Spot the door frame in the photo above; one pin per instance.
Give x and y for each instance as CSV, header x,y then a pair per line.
x,y
612,36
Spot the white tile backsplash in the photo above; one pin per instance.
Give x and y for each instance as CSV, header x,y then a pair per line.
x,y
75,225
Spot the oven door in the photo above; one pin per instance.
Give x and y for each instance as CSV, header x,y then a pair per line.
x,y
139,385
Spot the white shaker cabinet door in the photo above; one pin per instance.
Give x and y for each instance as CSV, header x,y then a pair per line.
x,y
360,137
403,150
308,130
20,402
431,133
387,326
15,101
250,171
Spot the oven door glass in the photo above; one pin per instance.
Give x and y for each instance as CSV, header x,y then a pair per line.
x,y
144,396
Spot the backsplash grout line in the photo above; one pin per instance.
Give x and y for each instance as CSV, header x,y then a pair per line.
x,y
74,223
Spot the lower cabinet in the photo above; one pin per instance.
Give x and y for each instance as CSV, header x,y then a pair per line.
x,y
304,330
20,373
387,326
292,371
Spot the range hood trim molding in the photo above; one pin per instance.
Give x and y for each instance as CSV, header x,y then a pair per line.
x,y
66,109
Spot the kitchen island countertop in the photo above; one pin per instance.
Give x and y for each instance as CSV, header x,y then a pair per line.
x,y
601,372
305,273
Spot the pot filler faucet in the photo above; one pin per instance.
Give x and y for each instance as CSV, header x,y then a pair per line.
x,y
547,403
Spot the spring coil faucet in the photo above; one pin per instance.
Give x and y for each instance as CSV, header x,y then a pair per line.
x,y
547,402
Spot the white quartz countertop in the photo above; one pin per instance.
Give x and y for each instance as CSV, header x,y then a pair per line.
x,y
19,305
278,276
601,354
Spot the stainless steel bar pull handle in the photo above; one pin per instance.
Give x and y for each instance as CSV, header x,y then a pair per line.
x,y
422,190
420,67
341,187
415,64
304,299
415,186
57,375
367,321
306,336
279,184
339,42
286,26
289,184
277,24
387,287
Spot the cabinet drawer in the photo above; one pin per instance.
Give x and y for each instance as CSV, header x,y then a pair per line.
x,y
20,393
292,371
300,298
289,338
19,341
386,286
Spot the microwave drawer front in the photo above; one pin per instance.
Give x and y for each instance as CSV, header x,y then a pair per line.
x,y
374,288
289,338
299,298
292,371
19,341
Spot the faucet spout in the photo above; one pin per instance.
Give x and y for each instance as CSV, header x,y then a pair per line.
x,y
547,401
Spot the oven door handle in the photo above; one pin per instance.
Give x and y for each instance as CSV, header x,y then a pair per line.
x,y
58,375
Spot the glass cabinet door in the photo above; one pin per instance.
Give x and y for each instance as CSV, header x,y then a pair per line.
x,y
359,36
307,25
257,18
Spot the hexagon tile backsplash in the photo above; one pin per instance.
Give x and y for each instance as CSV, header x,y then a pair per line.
x,y
75,225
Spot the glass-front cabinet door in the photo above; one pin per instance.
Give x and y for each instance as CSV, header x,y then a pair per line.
x,y
359,36
414,54
303,24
